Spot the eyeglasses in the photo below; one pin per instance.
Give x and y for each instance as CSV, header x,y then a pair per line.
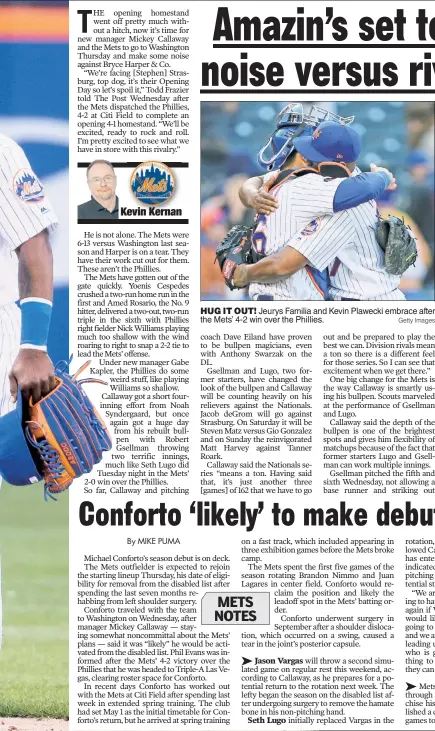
x,y
107,179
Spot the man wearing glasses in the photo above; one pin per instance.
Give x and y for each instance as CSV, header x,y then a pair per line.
x,y
104,203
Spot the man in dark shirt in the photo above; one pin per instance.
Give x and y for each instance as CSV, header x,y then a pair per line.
x,y
104,203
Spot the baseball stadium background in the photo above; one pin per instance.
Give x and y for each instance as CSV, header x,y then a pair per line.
x,y
34,534
397,135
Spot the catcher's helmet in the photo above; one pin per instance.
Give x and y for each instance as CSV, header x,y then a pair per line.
x,y
293,122
290,123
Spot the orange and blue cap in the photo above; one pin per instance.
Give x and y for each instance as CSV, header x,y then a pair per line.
x,y
330,142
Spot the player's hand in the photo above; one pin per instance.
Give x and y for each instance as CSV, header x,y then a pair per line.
x,y
374,169
32,373
240,276
263,202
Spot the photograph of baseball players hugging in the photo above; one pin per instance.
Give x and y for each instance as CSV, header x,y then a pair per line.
x,y
306,201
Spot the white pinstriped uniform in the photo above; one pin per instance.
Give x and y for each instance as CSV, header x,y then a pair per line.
x,y
24,212
346,243
300,199
10,328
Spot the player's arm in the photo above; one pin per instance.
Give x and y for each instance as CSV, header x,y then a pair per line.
x,y
254,194
364,187
326,195
272,268
33,372
337,195
316,245
321,242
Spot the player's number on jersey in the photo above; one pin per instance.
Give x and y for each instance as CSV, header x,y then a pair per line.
x,y
259,238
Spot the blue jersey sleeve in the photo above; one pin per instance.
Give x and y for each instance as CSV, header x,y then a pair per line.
x,y
359,189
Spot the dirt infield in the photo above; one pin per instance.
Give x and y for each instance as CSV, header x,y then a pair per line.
x,y
33,724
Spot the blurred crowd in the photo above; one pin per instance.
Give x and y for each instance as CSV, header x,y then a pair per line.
x,y
397,135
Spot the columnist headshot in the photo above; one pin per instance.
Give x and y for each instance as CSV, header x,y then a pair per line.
x,y
104,203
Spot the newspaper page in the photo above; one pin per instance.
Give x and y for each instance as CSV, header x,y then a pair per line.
x,y
257,546
251,309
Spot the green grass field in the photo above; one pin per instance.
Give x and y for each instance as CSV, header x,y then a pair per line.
x,y
34,554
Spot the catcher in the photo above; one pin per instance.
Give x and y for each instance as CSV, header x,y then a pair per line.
x,y
360,253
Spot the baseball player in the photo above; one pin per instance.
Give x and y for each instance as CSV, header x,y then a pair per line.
x,y
359,272
26,274
292,121
295,196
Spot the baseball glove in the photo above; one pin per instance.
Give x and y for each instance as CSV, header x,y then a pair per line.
x,y
66,434
398,242
235,249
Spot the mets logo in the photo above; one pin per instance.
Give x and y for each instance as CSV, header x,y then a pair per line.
x,y
316,134
310,228
152,183
339,157
27,187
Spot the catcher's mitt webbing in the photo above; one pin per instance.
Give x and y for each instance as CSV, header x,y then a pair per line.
x,y
67,434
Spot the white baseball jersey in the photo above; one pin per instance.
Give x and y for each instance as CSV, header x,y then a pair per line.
x,y
24,212
346,243
300,199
